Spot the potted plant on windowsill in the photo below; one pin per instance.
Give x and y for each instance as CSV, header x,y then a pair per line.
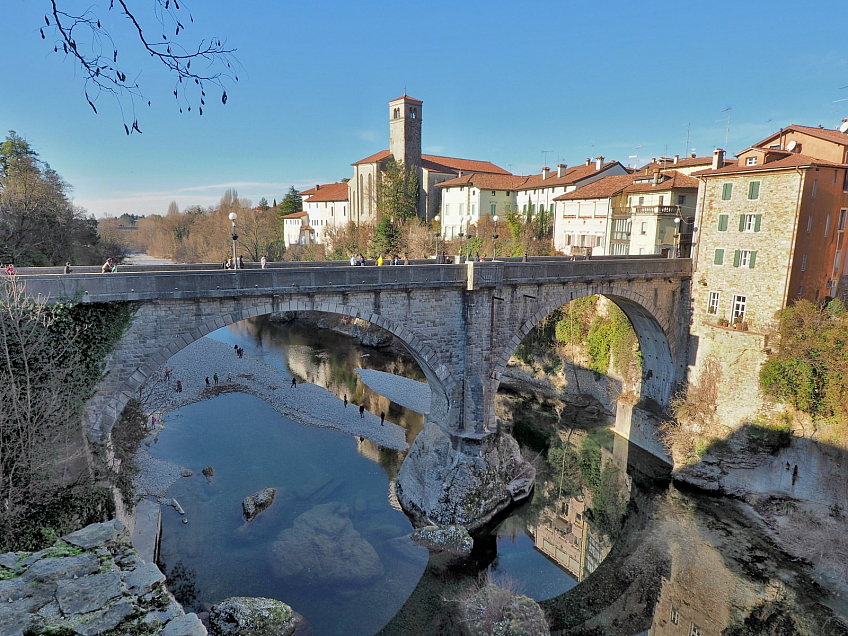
x,y
723,322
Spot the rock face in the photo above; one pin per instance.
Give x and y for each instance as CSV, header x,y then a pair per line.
x,y
323,548
452,539
493,610
242,616
443,482
257,502
91,582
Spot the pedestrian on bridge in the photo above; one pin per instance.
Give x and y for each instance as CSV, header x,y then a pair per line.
x,y
240,262
263,261
345,400
294,383
382,418
362,411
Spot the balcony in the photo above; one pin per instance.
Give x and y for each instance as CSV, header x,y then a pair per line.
x,y
655,210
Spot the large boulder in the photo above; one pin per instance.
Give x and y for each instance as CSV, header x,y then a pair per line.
x,y
494,610
257,502
242,616
323,548
445,481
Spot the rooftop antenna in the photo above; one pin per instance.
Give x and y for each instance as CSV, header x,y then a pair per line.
x,y
768,121
685,148
545,156
727,119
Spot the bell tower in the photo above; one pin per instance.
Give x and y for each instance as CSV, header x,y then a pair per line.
x,y
405,130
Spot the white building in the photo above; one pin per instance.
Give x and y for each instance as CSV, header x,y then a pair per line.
x,y
469,197
296,229
583,217
326,207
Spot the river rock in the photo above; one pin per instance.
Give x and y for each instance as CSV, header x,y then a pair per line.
x,y
452,539
323,548
493,610
257,502
444,481
252,617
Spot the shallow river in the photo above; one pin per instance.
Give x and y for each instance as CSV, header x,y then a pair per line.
x,y
333,543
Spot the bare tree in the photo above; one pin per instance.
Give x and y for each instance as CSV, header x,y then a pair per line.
x,y
78,33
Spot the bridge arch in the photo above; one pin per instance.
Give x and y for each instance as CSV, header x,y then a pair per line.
x,y
438,375
654,329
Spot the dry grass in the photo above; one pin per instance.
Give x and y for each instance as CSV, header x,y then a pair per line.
x,y
822,540
484,604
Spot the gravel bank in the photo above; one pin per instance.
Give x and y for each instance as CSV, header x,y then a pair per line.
x,y
408,393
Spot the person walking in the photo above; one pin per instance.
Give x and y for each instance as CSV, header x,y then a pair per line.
x,y
345,400
215,377
228,264
380,260
68,267
235,349
207,380
294,383
179,386
382,418
362,411
240,262
353,261
263,261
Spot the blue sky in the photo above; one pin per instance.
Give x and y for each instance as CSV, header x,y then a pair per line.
x,y
500,81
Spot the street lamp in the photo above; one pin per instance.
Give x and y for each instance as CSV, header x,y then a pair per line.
x,y
677,237
468,237
495,238
437,233
233,216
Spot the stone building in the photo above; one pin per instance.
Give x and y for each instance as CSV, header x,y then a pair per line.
x,y
405,119
771,231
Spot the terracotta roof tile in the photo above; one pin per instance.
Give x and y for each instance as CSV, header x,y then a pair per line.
x,y
435,163
295,215
786,163
668,180
814,131
330,192
377,156
685,162
405,96
600,189
485,181
572,175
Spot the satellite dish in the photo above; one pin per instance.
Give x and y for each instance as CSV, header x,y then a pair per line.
x,y
792,145
843,128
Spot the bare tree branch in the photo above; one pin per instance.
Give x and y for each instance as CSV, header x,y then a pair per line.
x,y
81,36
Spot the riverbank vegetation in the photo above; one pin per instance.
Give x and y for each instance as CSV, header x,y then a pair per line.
x,y
50,363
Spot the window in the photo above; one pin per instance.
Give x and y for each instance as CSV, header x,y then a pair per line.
x,y
739,305
722,222
827,227
447,209
845,181
493,193
809,224
641,200
681,199
744,258
718,259
493,209
726,191
712,308
749,222
842,215
836,260
753,190
674,616
751,161
694,630
644,229
804,263
815,187
473,209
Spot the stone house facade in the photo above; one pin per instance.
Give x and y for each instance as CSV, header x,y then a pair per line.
x,y
771,231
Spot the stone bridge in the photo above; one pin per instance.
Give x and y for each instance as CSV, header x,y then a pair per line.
x,y
461,323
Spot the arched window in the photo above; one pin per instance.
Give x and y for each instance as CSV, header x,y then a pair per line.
x,y
396,114
412,113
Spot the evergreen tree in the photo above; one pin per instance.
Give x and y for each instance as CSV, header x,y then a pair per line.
x,y
397,194
292,202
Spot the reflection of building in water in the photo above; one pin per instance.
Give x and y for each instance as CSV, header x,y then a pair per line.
x,y
702,597
563,532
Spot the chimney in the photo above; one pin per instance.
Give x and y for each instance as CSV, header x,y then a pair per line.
x,y
317,186
545,171
691,155
599,163
676,159
460,174
718,159
656,176
588,161
561,168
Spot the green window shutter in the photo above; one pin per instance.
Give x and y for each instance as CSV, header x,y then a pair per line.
x,y
751,261
737,256
757,219
726,191
719,257
754,190
722,222
741,222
